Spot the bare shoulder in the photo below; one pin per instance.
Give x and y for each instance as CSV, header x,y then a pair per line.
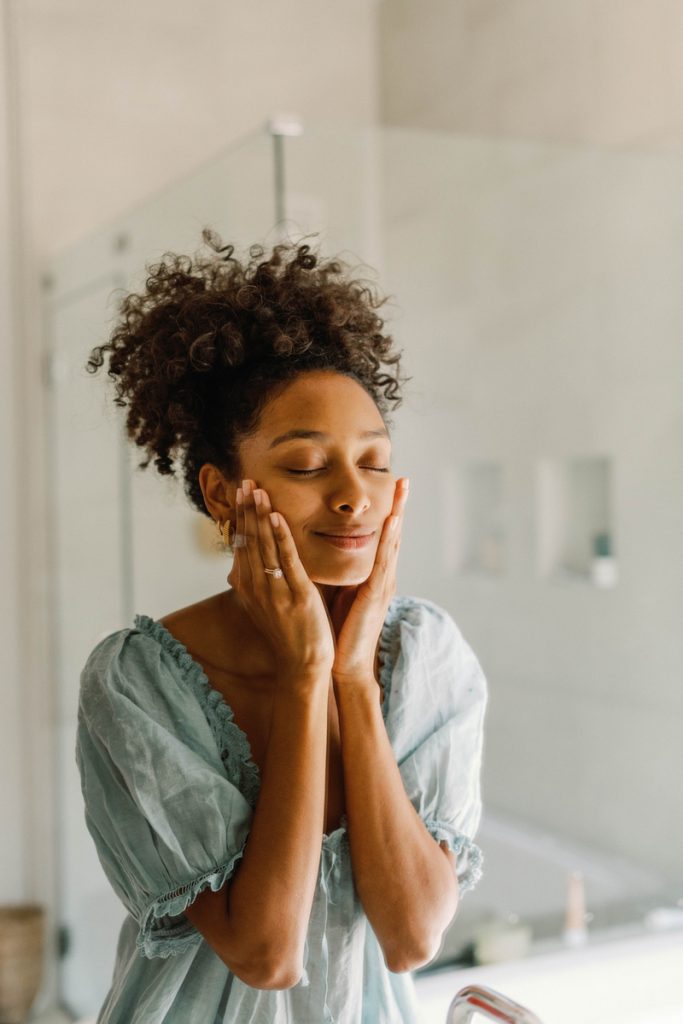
x,y
201,628
192,611
216,633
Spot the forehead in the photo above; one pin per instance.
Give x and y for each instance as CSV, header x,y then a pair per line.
x,y
329,402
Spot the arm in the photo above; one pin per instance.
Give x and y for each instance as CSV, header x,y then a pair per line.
x,y
270,897
260,934
406,881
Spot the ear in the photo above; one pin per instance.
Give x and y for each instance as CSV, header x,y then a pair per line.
x,y
216,491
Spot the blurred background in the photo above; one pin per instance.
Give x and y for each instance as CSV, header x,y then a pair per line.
x,y
512,175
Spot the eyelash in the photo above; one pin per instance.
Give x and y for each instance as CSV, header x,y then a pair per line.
x,y
308,472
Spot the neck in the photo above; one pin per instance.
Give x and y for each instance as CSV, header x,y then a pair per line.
x,y
328,592
338,601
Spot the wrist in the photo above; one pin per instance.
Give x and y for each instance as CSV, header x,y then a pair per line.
x,y
303,682
357,688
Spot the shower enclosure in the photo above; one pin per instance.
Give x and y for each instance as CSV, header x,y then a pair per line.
x,y
534,290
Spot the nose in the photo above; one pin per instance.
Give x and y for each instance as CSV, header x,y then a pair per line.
x,y
350,495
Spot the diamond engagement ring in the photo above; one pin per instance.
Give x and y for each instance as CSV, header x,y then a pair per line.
x,y
277,573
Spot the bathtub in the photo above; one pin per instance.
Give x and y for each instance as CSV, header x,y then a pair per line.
x,y
614,979
525,878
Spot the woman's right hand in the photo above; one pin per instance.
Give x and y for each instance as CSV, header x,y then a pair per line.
x,y
289,611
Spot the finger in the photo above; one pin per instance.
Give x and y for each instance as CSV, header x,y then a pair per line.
x,y
390,541
393,522
243,568
253,543
400,496
384,556
289,560
270,552
398,512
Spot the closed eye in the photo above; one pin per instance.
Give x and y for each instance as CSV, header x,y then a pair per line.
x,y
308,472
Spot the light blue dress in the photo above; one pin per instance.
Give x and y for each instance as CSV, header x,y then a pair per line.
x,y
170,788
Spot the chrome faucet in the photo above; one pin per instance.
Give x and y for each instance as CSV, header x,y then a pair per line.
x,y
486,1001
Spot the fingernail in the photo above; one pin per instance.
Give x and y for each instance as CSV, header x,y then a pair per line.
x,y
257,497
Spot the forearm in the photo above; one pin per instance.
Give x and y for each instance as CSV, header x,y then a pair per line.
x,y
272,891
404,879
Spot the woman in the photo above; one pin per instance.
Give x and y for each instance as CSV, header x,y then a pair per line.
x,y
281,780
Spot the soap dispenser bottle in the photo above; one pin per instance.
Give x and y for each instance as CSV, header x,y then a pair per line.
x,y
575,932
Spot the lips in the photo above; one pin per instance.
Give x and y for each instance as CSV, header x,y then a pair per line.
x,y
345,533
369,534
347,542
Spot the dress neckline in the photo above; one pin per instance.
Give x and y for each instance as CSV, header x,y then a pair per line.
x,y
221,715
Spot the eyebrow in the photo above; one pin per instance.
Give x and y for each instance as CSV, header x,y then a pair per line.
x,y
319,435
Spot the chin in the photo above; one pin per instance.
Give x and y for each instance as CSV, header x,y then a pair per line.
x,y
346,582
349,578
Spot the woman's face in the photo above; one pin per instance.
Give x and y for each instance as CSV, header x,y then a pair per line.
x,y
339,480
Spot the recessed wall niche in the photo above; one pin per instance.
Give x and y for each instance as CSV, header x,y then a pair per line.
x,y
574,519
474,532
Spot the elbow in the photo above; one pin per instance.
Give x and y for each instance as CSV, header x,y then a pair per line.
x,y
409,958
282,976
419,951
277,972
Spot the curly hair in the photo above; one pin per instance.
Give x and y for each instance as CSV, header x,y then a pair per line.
x,y
199,352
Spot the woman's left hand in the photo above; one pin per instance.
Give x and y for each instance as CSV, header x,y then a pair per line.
x,y
362,609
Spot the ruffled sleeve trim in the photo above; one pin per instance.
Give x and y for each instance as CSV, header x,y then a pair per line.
x,y
232,742
161,936
389,644
469,856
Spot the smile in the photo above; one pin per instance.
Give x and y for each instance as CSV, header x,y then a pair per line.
x,y
347,543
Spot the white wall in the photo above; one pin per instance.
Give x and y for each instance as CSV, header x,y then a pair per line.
x,y
12,791
27,861
590,70
122,99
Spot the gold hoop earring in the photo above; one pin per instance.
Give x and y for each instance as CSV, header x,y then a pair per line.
x,y
231,533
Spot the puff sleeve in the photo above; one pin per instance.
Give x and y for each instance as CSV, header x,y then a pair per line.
x,y
166,820
442,733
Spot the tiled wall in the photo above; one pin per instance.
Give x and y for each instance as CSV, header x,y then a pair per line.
x,y
544,322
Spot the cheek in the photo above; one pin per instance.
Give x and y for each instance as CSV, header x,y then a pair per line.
x,y
302,507
295,504
388,491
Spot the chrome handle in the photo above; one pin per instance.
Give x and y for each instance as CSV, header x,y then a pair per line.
x,y
480,999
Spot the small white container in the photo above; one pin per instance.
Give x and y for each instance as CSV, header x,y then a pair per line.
x,y
604,572
499,941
